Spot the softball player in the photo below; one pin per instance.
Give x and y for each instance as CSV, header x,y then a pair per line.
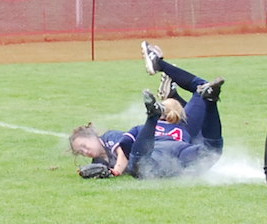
x,y
165,146
103,149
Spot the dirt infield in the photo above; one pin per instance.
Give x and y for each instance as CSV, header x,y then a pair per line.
x,y
183,47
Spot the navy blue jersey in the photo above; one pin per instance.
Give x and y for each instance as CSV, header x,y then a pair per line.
x,y
164,131
110,141
176,132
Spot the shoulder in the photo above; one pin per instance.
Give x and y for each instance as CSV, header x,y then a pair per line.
x,y
112,134
111,139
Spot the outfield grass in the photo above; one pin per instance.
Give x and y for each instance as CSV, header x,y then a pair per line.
x,y
38,179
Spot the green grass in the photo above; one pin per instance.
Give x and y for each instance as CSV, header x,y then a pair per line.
x,y
38,179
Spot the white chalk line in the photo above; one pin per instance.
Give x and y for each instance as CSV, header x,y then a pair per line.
x,y
33,130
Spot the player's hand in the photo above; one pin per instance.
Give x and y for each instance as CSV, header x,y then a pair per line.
x,y
115,172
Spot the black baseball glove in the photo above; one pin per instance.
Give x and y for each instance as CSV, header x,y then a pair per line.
x,y
95,170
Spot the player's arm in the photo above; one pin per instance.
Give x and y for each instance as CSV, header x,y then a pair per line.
x,y
128,139
121,163
124,150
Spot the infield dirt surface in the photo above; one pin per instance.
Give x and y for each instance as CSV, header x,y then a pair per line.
x,y
178,47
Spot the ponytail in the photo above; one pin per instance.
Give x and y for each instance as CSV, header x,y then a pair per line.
x,y
174,112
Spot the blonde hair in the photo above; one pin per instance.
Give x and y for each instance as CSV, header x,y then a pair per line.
x,y
174,112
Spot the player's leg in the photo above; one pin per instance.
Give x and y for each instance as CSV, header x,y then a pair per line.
x,y
202,107
188,81
205,155
196,107
211,131
196,159
212,128
168,89
195,113
154,63
144,143
184,79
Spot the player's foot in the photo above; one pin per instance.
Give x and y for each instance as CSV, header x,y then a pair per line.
x,y
152,54
211,90
153,107
167,87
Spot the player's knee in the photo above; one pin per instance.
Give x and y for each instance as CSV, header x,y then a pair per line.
x,y
216,145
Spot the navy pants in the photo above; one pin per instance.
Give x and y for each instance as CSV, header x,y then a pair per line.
x,y
150,158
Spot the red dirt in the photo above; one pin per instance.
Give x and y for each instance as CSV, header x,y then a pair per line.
x,y
186,46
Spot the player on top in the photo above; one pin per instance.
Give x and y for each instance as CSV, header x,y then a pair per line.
x,y
172,150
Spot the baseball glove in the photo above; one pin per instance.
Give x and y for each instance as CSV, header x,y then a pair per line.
x,y
95,170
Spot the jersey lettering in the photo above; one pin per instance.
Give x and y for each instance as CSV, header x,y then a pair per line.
x,y
176,134
160,128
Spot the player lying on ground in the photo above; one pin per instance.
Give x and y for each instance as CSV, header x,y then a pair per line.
x,y
163,146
